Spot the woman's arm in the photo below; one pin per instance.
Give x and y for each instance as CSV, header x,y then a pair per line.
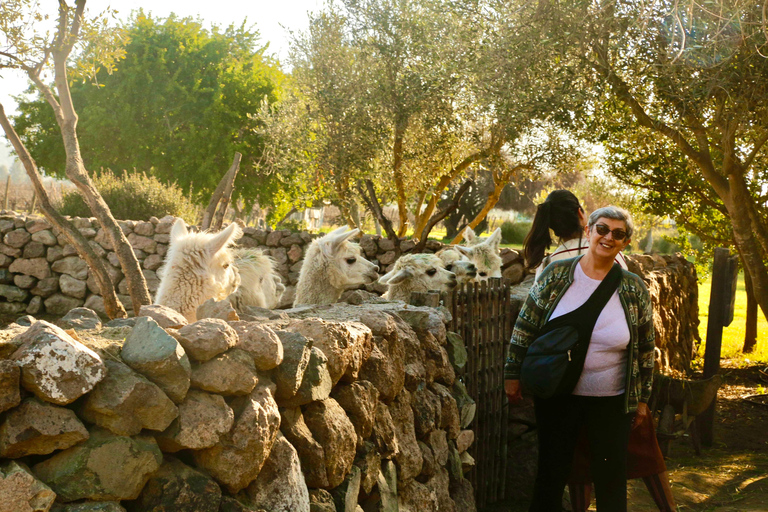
x,y
646,344
527,327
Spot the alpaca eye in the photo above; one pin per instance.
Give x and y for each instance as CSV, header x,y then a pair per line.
x,y
226,265
351,261
431,272
449,267
483,274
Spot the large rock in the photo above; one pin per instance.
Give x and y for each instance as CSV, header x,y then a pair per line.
x,y
39,428
13,293
71,265
10,375
290,374
457,351
105,467
237,458
280,486
217,309
359,401
59,304
56,367
346,344
438,443
81,318
230,373
331,427
345,495
452,419
429,464
368,460
408,457
176,486
126,402
207,338
463,495
439,484
425,320
385,367
203,418
310,452
316,384
17,238
154,353
416,497
427,411
384,432
321,500
20,491
73,287
166,317
261,342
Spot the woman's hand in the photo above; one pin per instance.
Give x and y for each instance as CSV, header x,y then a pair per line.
x,y
514,394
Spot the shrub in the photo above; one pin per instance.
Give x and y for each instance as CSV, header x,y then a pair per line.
x,y
514,232
134,196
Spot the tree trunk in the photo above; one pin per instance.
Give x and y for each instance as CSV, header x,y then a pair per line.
x,y
750,329
440,216
368,193
493,198
214,216
75,170
397,164
112,305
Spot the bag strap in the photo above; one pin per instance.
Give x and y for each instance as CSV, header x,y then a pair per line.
x,y
600,297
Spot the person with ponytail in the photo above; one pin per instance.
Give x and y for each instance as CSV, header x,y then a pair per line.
x,y
561,213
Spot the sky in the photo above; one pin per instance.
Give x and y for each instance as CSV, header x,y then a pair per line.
x,y
273,20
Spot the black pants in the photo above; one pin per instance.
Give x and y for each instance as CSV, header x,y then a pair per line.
x,y
559,421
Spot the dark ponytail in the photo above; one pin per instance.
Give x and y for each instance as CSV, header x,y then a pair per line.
x,y
559,212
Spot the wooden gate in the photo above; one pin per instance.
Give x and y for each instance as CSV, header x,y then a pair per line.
x,y
484,315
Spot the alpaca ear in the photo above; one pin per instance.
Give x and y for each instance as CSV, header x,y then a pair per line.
x,y
179,230
464,250
334,239
224,238
469,234
395,277
495,239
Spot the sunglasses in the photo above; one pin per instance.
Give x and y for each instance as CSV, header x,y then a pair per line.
x,y
618,234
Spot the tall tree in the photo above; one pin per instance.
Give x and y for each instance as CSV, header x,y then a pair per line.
x,y
693,74
33,54
178,106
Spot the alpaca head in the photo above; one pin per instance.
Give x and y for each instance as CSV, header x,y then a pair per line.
x,y
459,264
483,253
343,260
417,273
198,267
260,284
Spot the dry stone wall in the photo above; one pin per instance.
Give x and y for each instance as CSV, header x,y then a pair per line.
x,y
41,273
338,408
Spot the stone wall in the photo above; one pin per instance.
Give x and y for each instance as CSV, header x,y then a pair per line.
x,y
41,273
328,409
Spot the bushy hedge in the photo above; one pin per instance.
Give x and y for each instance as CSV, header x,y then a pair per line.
x,y
134,196
514,232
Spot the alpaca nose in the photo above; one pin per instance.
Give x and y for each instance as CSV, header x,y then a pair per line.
x,y
472,267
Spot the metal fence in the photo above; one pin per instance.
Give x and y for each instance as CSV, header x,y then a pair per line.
x,y
484,314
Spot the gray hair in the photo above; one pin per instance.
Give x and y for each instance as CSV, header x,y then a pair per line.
x,y
615,213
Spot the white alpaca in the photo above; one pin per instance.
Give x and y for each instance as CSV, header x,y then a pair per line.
x,y
331,265
417,273
456,262
260,284
483,253
198,267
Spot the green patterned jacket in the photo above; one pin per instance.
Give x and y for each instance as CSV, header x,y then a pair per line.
x,y
547,291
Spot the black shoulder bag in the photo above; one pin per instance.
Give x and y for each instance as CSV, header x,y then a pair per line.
x,y
555,359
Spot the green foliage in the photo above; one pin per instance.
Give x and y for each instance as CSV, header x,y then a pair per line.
x,y
178,106
514,232
134,196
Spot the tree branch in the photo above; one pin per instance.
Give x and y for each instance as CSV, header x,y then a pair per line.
x,y
371,201
441,215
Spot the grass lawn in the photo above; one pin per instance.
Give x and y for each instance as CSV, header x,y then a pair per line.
x,y
733,335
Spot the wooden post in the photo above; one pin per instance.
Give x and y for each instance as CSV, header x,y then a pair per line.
x,y
721,304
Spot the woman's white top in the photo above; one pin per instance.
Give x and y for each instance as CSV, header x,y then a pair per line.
x,y
605,368
570,249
